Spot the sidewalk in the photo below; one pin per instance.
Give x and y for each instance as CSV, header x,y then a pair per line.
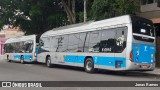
x,y
1,57
155,72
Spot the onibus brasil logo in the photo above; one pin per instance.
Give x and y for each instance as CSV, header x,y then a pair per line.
x,y
21,84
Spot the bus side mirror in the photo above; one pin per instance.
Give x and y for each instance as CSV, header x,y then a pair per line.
x,y
41,43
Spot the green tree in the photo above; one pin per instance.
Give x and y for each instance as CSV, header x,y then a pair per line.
x,y
127,6
33,16
102,9
80,10
38,16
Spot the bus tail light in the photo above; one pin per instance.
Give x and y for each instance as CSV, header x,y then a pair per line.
x,y
131,56
35,55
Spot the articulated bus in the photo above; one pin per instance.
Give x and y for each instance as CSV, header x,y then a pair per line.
x,y
22,49
121,43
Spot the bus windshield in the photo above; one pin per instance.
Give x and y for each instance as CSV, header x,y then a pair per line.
x,y
143,29
28,46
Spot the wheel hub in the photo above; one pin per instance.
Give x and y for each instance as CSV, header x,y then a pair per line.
x,y
89,66
48,63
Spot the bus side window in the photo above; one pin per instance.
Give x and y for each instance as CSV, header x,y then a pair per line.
x,y
73,42
94,41
107,43
86,42
54,43
81,42
121,38
62,42
22,49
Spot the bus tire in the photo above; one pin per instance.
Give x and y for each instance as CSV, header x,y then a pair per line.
x,y
48,62
89,65
22,60
8,59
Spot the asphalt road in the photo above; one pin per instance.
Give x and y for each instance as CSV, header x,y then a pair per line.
x,y
14,71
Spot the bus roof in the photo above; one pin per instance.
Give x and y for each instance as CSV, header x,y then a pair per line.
x,y
20,38
82,27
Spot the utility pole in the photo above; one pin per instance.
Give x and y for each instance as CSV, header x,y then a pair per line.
x,y
85,10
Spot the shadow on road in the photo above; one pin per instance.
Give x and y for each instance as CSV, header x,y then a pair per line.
x,y
99,71
106,72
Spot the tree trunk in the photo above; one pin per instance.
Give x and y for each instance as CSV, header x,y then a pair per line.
x,y
69,8
85,10
73,11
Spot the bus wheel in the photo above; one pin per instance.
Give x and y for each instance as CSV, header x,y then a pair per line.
x,y
8,59
89,65
22,60
48,62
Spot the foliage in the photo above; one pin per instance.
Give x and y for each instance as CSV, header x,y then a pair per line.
x,y
33,16
38,16
102,9
80,10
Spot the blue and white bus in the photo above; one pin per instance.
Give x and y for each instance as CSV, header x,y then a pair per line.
x,y
120,43
22,48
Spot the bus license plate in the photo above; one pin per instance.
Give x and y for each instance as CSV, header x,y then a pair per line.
x,y
144,66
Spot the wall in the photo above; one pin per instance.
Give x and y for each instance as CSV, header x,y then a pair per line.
x,y
149,7
158,52
150,15
150,11
13,33
2,41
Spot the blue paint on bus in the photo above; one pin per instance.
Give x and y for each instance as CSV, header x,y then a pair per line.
x,y
17,57
143,53
26,57
98,60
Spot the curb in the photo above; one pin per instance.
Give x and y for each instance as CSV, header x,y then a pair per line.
x,y
152,74
138,73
